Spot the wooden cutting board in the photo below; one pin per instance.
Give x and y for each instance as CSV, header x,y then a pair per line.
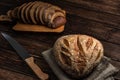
x,y
36,28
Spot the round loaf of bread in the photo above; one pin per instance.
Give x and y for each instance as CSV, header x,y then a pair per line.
x,y
77,55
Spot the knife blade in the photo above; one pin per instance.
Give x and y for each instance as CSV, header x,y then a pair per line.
x,y
25,56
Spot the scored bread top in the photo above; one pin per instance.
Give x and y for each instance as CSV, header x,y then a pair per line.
x,y
77,55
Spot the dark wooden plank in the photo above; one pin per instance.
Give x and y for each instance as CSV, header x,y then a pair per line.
x,y
9,75
15,1
109,6
101,31
99,17
6,5
112,51
112,3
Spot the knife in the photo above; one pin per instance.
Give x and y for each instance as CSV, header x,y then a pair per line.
x,y
25,56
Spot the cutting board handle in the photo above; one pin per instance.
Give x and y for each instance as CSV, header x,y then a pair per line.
x,y
36,69
5,18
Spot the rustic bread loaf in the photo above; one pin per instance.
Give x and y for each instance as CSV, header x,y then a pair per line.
x,y
77,55
39,13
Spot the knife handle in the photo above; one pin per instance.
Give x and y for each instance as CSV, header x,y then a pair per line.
x,y
36,69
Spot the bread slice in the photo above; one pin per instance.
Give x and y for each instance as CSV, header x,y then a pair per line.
x,y
37,5
37,13
27,12
19,11
23,13
42,12
32,12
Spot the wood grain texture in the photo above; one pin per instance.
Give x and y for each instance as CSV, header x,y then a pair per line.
x,y
97,18
36,28
9,75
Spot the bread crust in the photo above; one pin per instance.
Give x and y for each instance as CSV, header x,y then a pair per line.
x,y
77,55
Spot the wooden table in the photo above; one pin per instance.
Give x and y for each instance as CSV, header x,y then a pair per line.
x,y
98,18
